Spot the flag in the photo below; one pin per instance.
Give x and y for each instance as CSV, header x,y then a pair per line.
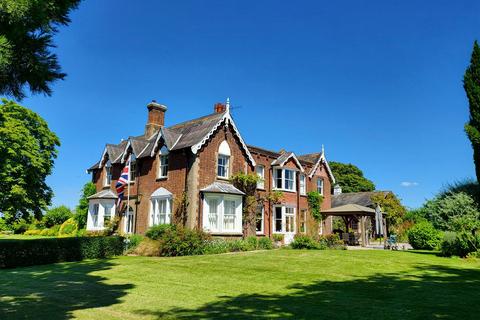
x,y
122,182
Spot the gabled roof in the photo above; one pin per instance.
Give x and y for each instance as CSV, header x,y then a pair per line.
x,y
350,209
161,192
220,187
284,157
190,134
321,158
104,194
311,158
359,198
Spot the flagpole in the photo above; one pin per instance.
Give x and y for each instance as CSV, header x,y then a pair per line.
x,y
128,187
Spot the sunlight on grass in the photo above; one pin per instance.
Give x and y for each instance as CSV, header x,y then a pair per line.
x,y
283,284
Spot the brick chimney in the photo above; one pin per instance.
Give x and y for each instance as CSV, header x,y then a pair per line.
x,y
219,107
156,118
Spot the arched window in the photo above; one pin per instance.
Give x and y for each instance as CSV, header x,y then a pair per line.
x,y
223,163
129,220
161,207
108,174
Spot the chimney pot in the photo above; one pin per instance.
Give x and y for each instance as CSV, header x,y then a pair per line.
x,y
219,107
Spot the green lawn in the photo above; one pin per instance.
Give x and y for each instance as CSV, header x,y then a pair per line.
x,y
285,284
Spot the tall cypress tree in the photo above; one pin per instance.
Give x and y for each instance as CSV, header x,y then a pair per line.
x,y
471,84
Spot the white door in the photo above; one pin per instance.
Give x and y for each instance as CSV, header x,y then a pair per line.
x,y
289,224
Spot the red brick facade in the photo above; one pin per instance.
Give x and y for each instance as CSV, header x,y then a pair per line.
x,y
189,172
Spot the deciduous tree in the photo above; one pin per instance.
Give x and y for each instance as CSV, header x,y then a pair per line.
x,y
350,177
27,152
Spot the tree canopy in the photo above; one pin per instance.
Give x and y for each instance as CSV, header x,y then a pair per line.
x,y
26,31
81,211
350,177
27,152
471,84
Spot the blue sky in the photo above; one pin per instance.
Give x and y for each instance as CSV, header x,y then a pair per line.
x,y
379,83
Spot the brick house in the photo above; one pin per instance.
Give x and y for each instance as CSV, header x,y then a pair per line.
x,y
181,173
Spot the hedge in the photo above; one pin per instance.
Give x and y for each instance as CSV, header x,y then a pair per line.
x,y
18,253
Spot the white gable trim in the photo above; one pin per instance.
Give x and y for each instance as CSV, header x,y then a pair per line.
x,y
159,135
329,171
285,161
124,154
161,193
226,119
105,152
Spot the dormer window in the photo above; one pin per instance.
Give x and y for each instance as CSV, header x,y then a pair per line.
x,y
223,162
284,179
108,174
163,163
320,185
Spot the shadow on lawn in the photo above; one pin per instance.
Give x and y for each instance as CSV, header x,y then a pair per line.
x,y
54,291
426,293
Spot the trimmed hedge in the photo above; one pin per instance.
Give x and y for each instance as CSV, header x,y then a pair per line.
x,y
19,253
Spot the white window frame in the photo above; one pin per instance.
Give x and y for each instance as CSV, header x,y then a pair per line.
x,y
163,162
303,184
303,215
284,219
129,214
260,171
226,159
283,179
262,219
320,186
107,181
221,213
155,217
98,209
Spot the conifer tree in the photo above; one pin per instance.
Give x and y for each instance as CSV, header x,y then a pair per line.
x,y
471,84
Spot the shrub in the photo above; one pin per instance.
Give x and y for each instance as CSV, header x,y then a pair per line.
x,y
180,241
20,226
278,237
251,243
68,228
423,236
459,244
32,232
56,216
305,242
52,232
237,246
331,241
148,248
216,246
133,241
157,231
16,253
265,243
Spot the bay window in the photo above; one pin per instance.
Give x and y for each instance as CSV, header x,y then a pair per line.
x,y
222,213
284,179
95,211
100,212
160,207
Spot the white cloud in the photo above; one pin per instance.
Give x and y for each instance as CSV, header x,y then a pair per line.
x,y
408,184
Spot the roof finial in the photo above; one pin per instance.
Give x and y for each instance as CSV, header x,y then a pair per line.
x,y
323,149
228,105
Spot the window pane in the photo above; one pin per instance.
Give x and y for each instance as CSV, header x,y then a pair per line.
x,y
289,227
261,174
222,167
213,213
279,175
229,215
259,219
162,210
278,219
289,179
303,189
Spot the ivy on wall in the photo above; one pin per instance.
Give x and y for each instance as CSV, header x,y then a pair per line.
x,y
315,200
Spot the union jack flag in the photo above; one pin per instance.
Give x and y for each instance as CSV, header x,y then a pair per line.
x,y
122,182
